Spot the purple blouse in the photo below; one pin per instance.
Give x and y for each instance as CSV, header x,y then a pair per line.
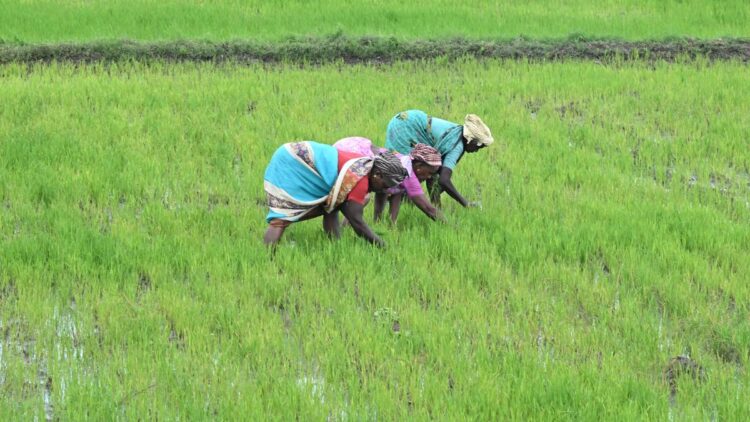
x,y
363,146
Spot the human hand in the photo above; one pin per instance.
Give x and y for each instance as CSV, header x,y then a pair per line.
x,y
474,204
440,217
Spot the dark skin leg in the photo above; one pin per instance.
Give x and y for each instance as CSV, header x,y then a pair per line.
x,y
422,171
352,211
395,206
379,207
426,172
331,224
273,234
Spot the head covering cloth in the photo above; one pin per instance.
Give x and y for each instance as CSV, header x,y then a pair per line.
x,y
475,131
427,154
389,167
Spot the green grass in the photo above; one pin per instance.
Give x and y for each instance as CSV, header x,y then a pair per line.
x,y
53,21
613,236
377,50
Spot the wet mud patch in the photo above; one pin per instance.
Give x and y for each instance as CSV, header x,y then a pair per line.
x,y
144,286
570,110
35,376
217,200
8,289
286,311
176,336
678,368
722,344
388,317
533,106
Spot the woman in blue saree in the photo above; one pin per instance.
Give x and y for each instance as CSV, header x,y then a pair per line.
x,y
305,180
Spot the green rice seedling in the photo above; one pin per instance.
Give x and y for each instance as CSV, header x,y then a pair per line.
x,y
613,238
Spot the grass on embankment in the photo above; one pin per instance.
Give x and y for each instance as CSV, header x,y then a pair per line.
x,y
613,236
378,50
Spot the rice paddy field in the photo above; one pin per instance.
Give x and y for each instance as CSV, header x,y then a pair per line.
x,y
612,237
604,276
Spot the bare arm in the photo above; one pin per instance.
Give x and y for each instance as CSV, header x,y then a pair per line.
x,y
331,224
447,185
423,204
353,212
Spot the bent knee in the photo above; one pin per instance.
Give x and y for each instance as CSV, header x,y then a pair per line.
x,y
279,223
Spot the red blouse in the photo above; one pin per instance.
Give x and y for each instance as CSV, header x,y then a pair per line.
x,y
359,193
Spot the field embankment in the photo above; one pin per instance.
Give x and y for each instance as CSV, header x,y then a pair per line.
x,y
377,50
